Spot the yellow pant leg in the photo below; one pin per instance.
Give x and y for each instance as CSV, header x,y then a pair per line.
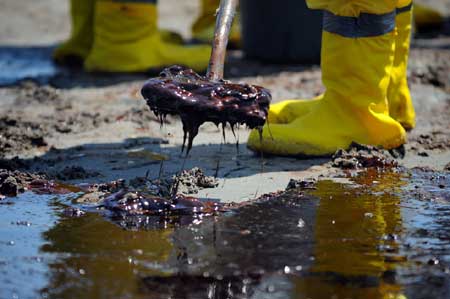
x,y
400,104
354,107
80,42
127,39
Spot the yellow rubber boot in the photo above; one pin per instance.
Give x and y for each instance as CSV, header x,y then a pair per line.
x,y
399,98
356,74
287,111
126,39
79,44
203,27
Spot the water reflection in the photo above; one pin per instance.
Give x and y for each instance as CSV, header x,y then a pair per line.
x,y
356,250
22,268
98,259
338,241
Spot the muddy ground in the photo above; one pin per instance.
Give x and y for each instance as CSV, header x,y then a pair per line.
x,y
83,128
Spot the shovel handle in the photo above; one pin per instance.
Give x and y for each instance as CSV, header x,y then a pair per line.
x,y
224,20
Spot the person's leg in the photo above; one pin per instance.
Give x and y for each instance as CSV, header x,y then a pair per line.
x,y
357,58
127,39
399,98
77,47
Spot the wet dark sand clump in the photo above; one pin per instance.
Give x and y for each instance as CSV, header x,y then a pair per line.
x,y
14,182
191,181
435,140
308,184
181,91
17,135
362,156
134,201
162,197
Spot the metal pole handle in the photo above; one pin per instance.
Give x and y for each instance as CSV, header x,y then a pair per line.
x,y
227,10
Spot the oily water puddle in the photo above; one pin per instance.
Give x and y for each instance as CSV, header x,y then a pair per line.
x,y
387,236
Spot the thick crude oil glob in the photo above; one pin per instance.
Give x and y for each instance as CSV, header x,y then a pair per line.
x,y
125,203
181,91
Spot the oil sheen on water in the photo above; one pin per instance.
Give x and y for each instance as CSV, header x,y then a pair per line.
x,y
388,236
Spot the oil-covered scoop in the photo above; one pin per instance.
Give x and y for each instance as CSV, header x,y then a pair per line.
x,y
198,99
